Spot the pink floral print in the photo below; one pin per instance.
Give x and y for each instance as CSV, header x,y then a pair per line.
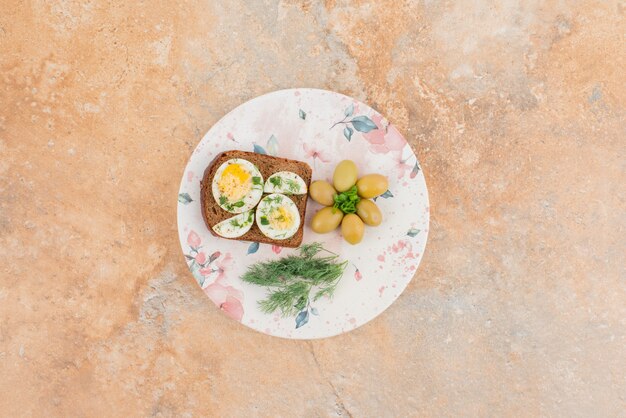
x,y
226,297
193,239
314,152
215,266
385,139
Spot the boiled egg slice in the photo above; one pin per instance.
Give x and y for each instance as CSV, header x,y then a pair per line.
x,y
285,182
277,217
237,185
236,226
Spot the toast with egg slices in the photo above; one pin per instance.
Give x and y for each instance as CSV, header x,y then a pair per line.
x,y
214,213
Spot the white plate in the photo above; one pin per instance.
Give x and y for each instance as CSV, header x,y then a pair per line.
x,y
321,128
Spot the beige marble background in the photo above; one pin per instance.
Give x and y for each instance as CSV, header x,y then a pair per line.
x,y
515,108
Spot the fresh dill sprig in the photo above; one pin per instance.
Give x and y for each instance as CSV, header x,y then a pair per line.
x,y
291,279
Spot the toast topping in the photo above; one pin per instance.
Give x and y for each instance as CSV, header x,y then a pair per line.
x,y
236,226
278,217
285,182
235,182
237,186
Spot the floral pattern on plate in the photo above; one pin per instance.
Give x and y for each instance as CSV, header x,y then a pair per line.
x,y
321,128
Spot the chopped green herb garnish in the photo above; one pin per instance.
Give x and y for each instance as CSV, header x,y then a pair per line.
x,y
264,220
256,180
346,201
238,204
276,181
275,199
293,185
223,200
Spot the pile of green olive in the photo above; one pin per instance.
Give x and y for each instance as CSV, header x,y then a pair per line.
x,y
347,202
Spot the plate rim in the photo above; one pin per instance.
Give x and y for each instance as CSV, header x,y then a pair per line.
x,y
336,331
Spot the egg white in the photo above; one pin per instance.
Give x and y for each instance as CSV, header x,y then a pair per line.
x,y
250,199
236,226
285,182
266,206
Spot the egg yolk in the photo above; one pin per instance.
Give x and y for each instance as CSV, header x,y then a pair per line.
x,y
281,218
235,182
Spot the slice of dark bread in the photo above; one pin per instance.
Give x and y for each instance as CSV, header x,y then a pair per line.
x,y
267,165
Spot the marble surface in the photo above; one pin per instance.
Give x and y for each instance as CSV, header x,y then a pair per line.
x,y
515,108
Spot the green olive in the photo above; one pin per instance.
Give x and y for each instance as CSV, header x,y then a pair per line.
x,y
326,220
322,192
352,228
369,212
372,185
345,175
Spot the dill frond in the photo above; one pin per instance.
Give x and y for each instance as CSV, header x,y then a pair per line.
x,y
291,279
